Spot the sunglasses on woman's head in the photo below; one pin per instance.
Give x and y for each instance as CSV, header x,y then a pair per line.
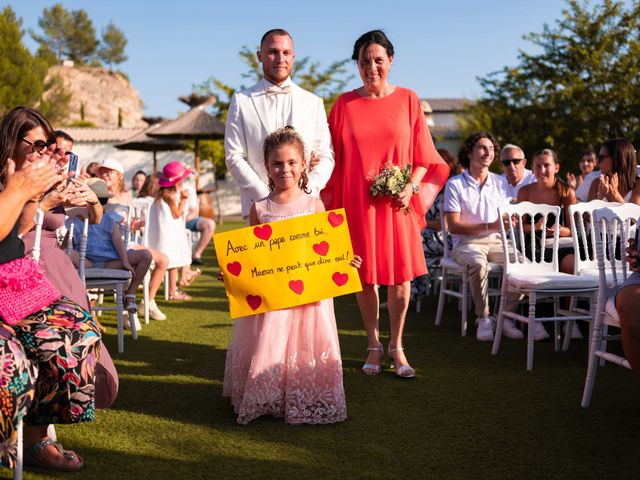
x,y
38,146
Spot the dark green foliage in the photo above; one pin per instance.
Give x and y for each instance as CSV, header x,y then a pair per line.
x,y
580,88
81,42
113,44
21,75
56,23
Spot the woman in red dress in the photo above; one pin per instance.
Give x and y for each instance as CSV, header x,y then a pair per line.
x,y
371,127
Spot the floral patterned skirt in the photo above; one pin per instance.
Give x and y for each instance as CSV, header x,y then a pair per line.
x,y
47,366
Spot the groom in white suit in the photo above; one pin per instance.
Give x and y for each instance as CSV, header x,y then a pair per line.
x,y
274,102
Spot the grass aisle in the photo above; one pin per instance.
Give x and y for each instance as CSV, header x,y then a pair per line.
x,y
468,415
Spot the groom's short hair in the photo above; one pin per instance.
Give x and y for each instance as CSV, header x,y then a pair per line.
x,y
274,31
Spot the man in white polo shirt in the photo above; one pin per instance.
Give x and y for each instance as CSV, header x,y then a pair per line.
x,y
471,202
513,162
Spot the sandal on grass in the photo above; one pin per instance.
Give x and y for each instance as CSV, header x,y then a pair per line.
x,y
179,295
36,457
189,280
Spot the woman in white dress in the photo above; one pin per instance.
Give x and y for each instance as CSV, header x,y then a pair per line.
x,y
167,230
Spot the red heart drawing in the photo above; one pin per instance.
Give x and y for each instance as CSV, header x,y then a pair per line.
x,y
340,278
263,233
254,301
335,219
321,248
234,268
297,286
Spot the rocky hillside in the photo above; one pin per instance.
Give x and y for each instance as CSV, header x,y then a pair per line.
x,y
103,98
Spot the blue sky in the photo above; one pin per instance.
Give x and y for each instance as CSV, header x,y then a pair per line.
x,y
441,46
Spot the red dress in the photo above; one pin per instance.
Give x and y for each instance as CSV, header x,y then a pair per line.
x,y
368,133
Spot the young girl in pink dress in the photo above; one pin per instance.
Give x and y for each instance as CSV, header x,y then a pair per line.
x,y
286,363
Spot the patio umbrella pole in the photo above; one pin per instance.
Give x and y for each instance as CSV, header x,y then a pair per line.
x,y
155,162
196,149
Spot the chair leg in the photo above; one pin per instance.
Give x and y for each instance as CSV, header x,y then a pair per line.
x,y
120,313
595,345
531,330
17,470
465,304
443,286
166,285
145,296
556,325
498,335
567,335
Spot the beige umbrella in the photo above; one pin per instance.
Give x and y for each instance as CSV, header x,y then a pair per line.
x,y
196,125
143,142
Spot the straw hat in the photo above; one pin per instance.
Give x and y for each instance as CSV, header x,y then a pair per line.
x,y
174,172
99,187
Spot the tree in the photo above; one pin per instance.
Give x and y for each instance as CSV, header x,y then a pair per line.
x,y
80,41
21,75
114,43
55,23
327,83
580,89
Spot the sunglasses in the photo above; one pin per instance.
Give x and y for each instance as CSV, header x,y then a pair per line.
x,y
515,161
38,146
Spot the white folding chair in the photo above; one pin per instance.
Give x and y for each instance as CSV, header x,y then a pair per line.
x,y
612,232
535,278
140,210
109,279
454,273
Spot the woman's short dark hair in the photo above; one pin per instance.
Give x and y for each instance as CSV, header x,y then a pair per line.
x,y
470,142
13,127
370,38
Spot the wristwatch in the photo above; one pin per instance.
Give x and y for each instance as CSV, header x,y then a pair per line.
x,y
414,187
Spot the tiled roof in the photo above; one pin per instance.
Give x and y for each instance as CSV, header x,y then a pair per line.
x,y
101,134
447,104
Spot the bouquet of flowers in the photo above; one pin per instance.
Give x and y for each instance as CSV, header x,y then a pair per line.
x,y
390,181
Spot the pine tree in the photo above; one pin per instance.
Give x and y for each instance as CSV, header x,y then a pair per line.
x,y
114,42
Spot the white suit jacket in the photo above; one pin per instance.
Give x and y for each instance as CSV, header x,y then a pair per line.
x,y
246,129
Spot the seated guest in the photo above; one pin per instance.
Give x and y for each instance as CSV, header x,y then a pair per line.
x,y
92,170
618,173
136,182
471,202
513,162
549,189
195,223
106,249
47,358
627,305
587,165
112,172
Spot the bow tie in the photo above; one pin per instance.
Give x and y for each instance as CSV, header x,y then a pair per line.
x,y
278,90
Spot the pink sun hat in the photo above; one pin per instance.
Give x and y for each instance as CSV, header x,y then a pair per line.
x,y
174,172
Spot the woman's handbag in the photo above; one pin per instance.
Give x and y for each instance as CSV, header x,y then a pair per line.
x,y
24,290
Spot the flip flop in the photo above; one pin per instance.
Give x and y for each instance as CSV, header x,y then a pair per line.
x,y
34,457
179,295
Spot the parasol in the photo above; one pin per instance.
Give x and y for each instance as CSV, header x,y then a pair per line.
x,y
143,142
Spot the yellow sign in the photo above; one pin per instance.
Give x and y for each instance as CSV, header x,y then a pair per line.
x,y
287,263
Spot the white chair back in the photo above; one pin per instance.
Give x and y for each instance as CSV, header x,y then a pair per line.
x,y
125,212
583,234
613,228
514,218
140,212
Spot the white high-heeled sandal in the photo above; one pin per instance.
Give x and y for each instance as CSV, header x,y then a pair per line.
x,y
405,371
370,368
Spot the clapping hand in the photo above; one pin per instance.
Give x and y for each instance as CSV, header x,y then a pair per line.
x,y
571,180
80,194
34,180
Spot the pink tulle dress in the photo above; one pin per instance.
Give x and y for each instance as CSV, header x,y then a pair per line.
x,y
286,363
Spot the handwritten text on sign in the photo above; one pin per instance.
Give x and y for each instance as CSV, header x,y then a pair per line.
x,y
287,263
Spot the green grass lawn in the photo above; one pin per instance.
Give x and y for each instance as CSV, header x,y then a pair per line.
x,y
467,415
